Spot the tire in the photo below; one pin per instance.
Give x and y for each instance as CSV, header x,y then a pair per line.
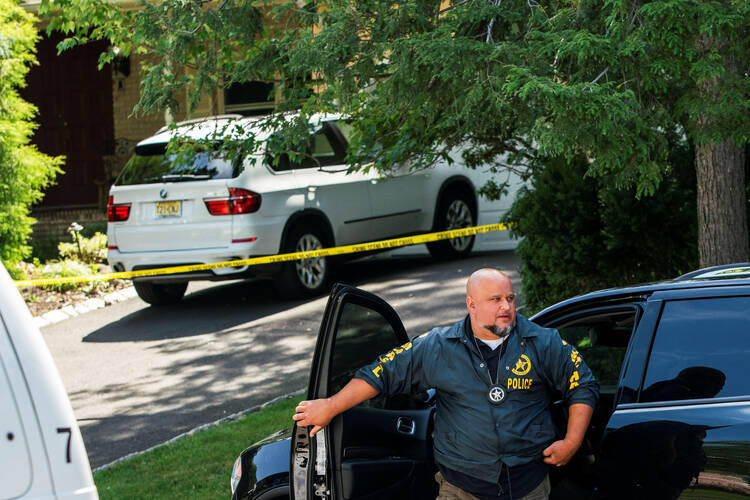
x,y
455,211
306,277
280,493
160,294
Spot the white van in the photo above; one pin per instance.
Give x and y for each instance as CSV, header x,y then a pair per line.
x,y
42,455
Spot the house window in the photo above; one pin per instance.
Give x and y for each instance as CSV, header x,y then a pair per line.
x,y
249,98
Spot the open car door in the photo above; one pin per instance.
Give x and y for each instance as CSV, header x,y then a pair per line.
x,y
380,449
601,333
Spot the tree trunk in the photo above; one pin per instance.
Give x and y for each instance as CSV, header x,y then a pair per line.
x,y
722,213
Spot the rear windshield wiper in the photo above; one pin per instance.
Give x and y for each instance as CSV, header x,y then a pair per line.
x,y
147,180
184,177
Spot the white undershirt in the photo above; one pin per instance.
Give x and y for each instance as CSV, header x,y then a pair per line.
x,y
494,344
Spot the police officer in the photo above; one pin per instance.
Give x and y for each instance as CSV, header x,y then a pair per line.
x,y
495,374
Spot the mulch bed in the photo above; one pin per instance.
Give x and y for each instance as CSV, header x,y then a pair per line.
x,y
41,300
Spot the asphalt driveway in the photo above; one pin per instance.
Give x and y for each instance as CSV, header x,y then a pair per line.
x,y
139,375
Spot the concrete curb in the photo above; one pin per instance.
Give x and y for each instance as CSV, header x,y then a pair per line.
x,y
229,418
66,312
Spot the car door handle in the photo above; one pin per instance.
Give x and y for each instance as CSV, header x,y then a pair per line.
x,y
406,425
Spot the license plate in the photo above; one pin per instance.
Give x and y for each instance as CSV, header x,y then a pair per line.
x,y
168,208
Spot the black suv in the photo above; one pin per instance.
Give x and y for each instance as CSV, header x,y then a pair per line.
x,y
673,419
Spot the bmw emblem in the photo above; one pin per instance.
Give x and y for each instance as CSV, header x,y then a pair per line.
x,y
163,193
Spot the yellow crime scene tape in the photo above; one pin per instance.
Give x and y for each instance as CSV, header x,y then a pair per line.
x,y
269,259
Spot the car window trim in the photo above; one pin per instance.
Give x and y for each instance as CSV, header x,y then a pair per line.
x,y
684,403
639,350
730,290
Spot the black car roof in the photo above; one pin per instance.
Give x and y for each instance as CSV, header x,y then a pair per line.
x,y
718,276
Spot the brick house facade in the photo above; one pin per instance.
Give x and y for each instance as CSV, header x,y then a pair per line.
x,y
85,115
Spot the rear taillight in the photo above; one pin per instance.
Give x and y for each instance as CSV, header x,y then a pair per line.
x,y
117,212
240,201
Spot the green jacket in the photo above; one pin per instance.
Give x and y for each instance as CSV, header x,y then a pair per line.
x,y
471,435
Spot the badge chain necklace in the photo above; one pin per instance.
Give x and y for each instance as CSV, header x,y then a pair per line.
x,y
496,393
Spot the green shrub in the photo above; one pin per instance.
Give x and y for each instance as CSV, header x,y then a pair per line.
x,y
68,268
19,271
47,248
44,248
582,234
92,228
89,250
24,171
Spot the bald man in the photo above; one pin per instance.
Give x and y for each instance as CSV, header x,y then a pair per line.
x,y
495,374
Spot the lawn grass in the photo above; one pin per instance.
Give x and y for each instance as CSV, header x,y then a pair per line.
x,y
196,466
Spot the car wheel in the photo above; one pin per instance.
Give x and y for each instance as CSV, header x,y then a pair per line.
x,y
160,294
305,277
454,212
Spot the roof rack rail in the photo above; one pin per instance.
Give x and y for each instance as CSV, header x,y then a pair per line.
x,y
736,270
233,116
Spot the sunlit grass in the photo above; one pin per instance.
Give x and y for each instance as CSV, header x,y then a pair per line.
x,y
197,466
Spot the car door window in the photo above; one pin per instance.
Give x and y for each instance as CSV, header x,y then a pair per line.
x,y
601,336
602,339
700,350
323,149
346,130
362,336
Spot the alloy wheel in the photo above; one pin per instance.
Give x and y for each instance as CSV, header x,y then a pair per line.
x,y
311,272
459,216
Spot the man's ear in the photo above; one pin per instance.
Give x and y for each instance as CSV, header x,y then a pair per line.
x,y
469,303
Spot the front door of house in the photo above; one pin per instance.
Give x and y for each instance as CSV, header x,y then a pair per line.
x,y
74,99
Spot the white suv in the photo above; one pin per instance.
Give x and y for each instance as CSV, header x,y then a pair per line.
x,y
164,212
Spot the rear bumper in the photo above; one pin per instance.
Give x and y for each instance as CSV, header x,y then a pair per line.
x,y
134,261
